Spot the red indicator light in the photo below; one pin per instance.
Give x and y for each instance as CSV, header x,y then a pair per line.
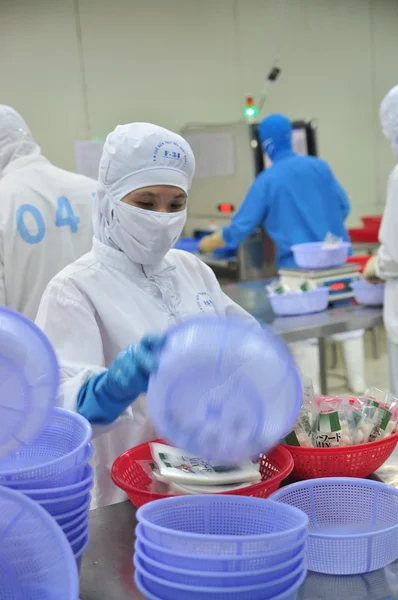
x,y
225,208
337,287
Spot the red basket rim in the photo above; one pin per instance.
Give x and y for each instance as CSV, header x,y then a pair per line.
x,y
280,450
343,449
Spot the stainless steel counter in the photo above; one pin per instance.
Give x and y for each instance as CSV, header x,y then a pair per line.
x,y
253,298
107,570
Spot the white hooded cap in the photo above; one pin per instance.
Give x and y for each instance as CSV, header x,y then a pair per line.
x,y
389,114
16,140
139,155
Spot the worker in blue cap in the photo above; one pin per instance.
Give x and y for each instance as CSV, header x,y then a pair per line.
x,y
297,200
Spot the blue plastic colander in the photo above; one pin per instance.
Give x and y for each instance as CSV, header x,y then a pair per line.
x,y
300,303
221,525
30,480
62,444
80,551
79,542
225,389
63,505
315,255
166,590
64,519
77,521
206,579
36,560
289,595
44,493
221,564
76,532
29,377
368,294
353,523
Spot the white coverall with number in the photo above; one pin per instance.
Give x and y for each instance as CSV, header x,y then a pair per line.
x,y
45,216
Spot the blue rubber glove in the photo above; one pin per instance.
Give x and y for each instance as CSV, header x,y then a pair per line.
x,y
103,398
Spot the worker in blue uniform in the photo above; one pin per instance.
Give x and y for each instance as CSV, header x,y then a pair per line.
x,y
297,200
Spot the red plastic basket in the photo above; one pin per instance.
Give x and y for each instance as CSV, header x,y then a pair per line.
x,y
372,222
360,261
350,461
363,235
129,475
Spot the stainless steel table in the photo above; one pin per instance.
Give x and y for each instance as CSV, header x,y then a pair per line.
x,y
107,570
253,298
365,247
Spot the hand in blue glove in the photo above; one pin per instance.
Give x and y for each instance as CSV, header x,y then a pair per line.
x,y
104,397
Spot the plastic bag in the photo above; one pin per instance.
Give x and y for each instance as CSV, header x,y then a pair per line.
x,y
175,465
331,429
383,406
157,484
331,241
301,435
280,288
360,420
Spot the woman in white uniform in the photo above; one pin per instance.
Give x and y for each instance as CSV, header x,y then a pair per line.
x,y
132,283
384,265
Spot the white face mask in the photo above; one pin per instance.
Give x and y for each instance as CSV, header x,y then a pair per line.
x,y
145,236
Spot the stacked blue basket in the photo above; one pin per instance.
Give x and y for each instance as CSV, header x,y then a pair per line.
x,y
216,547
36,561
44,451
54,471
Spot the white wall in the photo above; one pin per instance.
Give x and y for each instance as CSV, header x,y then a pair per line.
x,y
76,68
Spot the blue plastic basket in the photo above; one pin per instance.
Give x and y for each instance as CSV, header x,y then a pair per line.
x,y
300,303
66,518
315,256
175,591
64,478
55,454
29,376
220,564
36,560
221,525
81,547
206,579
289,595
228,359
368,294
63,505
353,523
80,542
187,244
64,491
76,532
76,522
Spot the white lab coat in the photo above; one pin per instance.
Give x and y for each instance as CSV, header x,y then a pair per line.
x,y
387,269
102,303
45,224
